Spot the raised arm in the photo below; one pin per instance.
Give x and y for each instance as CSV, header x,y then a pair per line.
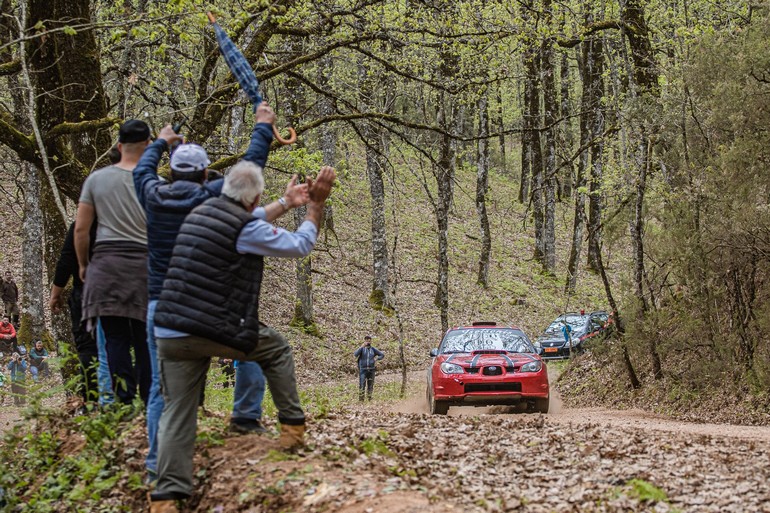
x,y
261,136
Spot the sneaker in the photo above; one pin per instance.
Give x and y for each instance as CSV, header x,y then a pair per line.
x,y
246,427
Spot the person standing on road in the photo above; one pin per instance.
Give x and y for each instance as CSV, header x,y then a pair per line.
x,y
367,356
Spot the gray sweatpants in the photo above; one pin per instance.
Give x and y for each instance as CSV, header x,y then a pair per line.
x,y
183,365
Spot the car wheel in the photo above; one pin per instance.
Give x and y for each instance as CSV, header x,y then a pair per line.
x,y
541,405
437,407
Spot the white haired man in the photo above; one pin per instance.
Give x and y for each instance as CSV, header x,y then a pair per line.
x,y
209,307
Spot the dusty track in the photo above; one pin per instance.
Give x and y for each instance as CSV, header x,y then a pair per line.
x,y
637,420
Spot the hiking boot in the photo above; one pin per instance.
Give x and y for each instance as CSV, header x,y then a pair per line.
x,y
161,502
292,437
163,507
246,426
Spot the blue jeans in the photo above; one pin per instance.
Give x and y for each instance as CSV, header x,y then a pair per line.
x,y
249,390
103,377
247,403
155,402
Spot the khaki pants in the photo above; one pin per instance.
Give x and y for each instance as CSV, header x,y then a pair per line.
x,y
183,365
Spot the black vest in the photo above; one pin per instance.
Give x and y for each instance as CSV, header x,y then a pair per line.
x,y
210,289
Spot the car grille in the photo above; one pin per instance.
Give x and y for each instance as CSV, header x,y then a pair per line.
x,y
487,372
492,370
492,387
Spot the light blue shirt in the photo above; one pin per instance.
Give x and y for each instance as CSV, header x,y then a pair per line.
x,y
259,237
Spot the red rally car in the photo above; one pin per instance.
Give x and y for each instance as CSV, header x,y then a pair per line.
x,y
484,365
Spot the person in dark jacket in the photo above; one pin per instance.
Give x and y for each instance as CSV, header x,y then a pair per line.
x,y
37,361
209,306
85,344
367,356
166,206
10,295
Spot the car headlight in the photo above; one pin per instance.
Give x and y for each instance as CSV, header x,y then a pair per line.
x,y
532,366
536,343
451,368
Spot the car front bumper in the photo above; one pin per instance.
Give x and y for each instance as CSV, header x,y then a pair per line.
x,y
509,389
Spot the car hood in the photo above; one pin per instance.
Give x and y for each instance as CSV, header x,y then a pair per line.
x,y
551,341
485,359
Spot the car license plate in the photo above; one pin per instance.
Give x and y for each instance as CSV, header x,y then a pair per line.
x,y
551,349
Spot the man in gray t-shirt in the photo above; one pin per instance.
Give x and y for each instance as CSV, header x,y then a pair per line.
x,y
115,276
110,190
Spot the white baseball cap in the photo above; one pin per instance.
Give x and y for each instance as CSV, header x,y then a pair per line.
x,y
189,157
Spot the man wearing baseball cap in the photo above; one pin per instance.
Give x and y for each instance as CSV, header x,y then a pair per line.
x,y
115,275
166,206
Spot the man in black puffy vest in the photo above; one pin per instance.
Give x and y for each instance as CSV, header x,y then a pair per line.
x,y
209,307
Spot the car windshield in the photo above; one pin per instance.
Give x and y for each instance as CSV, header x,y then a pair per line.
x,y
468,340
576,321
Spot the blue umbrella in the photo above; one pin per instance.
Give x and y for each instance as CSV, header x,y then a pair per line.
x,y
242,71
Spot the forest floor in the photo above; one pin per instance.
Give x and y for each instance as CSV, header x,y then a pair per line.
x,y
390,456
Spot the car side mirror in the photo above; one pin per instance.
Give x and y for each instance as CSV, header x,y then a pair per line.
x,y
434,352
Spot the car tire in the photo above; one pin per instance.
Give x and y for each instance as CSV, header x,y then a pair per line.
x,y
437,407
542,405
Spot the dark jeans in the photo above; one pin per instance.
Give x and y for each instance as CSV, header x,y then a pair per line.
x,y
85,345
122,334
365,382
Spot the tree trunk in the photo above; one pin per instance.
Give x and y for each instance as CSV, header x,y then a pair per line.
x,y
376,162
532,155
34,293
565,133
550,111
645,91
596,57
482,178
328,140
443,181
303,307
501,129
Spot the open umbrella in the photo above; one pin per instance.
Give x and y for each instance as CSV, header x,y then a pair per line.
x,y
242,71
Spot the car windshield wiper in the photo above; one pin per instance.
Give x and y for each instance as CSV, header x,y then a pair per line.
x,y
453,352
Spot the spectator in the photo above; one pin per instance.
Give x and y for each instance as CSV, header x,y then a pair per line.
x,y
366,356
7,336
10,295
17,368
85,344
37,361
115,277
209,306
166,205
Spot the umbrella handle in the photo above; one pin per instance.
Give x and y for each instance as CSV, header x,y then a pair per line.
x,y
212,19
292,136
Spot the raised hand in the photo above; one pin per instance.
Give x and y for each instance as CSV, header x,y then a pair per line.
x,y
296,194
167,134
265,114
320,188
